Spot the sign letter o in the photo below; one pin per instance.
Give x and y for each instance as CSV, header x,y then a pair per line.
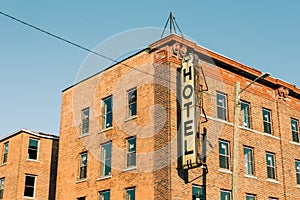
x,y
188,94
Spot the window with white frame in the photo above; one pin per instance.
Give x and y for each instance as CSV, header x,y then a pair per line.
x,y
132,102
295,130
248,161
130,194
105,165
224,154
83,165
2,182
104,195
246,120
270,158
131,152
30,181
197,192
297,166
107,112
33,149
267,121
273,198
250,197
5,152
85,121
225,195
221,106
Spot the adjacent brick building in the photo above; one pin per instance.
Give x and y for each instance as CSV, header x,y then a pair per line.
x,y
121,136
28,165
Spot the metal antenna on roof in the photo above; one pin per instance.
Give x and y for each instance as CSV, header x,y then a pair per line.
x,y
173,25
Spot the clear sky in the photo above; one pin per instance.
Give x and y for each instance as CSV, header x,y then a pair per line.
x,y
35,68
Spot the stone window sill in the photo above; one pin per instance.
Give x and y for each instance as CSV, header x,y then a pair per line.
x,y
130,169
272,181
103,178
227,171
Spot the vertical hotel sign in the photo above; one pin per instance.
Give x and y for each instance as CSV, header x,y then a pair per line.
x,y
188,113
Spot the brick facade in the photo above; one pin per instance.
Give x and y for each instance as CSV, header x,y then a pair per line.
x,y
158,173
18,165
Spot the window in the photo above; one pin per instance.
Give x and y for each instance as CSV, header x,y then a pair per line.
x,y
5,152
221,106
130,194
33,149
81,198
29,186
245,107
132,102
250,197
273,198
270,157
131,152
85,120
267,121
224,154
105,168
197,192
248,161
297,165
2,180
107,112
83,166
104,195
295,130
225,195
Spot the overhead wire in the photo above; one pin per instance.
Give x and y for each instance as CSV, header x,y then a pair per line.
x,y
80,46
96,53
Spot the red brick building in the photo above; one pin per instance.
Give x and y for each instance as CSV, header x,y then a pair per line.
x,y
129,133
28,165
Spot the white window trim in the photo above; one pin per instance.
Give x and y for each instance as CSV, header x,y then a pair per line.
x,y
80,162
34,190
129,117
38,150
127,152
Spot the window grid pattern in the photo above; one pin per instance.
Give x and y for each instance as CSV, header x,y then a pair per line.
x,y
246,120
85,118
83,166
29,186
130,194
107,112
104,195
250,197
221,106
132,102
267,121
2,182
295,130
5,152
105,168
224,154
131,152
297,166
33,149
197,193
225,195
270,158
248,161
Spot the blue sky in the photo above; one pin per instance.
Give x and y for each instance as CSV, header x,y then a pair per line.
x,y
35,68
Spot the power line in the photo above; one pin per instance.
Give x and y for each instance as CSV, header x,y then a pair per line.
x,y
96,53
80,46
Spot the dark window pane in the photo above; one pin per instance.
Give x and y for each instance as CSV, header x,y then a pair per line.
x,y
130,194
225,195
198,193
